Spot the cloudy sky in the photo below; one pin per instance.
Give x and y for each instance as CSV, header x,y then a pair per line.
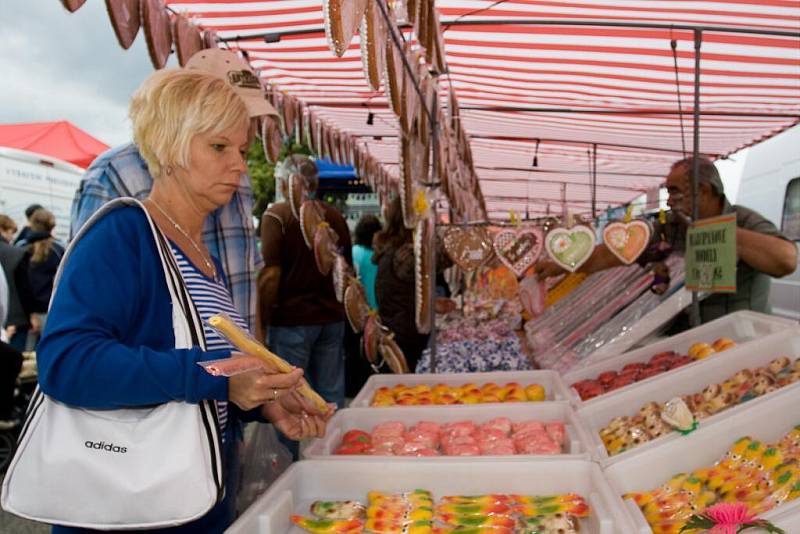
x,y
58,65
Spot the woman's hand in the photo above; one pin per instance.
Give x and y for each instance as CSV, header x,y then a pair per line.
x,y
252,389
296,417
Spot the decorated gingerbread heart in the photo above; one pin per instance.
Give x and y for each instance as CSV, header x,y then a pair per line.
x,y
518,249
342,20
570,247
627,241
469,248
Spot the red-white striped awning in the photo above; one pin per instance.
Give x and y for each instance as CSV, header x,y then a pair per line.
x,y
568,75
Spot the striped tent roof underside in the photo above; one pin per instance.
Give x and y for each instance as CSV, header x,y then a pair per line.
x,y
525,77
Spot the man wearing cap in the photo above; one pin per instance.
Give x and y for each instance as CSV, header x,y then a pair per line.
x,y
762,250
228,232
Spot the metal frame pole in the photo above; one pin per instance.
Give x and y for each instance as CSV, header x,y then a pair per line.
x,y
698,40
434,125
594,180
274,37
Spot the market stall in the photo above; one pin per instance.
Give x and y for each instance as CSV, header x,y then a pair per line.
x,y
506,128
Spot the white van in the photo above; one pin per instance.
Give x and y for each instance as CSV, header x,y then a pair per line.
x,y
28,178
771,186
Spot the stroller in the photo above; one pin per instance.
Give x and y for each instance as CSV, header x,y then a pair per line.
x,y
26,385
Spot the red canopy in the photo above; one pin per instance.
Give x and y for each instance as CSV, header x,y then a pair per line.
x,y
60,139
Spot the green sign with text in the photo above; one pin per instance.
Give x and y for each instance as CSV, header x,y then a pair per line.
x,y
711,255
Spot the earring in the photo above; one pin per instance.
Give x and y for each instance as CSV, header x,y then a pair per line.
x,y
168,170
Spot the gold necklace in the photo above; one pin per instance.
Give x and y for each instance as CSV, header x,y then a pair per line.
x,y
209,264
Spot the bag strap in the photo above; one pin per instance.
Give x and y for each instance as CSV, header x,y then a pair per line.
x,y
190,324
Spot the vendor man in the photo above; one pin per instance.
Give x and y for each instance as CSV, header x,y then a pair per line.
x,y
762,250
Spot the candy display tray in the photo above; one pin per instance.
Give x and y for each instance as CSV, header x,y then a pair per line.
x,y
577,444
310,480
551,381
742,327
767,419
682,381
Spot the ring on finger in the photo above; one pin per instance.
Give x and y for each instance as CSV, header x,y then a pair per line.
x,y
274,395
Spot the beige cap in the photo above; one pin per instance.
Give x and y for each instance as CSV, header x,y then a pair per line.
x,y
234,70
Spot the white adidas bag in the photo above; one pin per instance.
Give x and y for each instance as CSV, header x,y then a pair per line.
x,y
120,469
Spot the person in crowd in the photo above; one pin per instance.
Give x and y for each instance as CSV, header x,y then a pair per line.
x,y
20,318
10,363
357,368
761,249
366,229
228,232
111,314
23,234
46,254
394,283
301,317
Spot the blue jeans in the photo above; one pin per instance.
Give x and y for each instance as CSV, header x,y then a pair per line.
x,y
319,350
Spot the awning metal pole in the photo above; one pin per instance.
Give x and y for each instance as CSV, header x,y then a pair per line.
x,y
434,123
274,37
698,39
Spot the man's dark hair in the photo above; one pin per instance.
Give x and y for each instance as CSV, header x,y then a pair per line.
x,y
368,225
708,173
30,209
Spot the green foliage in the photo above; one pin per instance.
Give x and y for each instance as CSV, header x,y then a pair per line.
x,y
262,172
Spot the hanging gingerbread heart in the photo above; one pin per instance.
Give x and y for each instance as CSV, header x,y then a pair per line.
x,y
325,239
373,45
628,240
372,332
423,269
310,216
341,277
355,306
271,139
519,249
570,247
342,19
392,354
469,248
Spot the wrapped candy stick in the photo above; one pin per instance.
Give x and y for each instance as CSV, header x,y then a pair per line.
x,y
328,526
477,520
248,344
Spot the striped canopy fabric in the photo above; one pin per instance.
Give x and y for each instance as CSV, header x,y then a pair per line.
x,y
583,103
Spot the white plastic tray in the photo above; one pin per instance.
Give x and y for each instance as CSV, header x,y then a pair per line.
x,y
682,381
767,419
742,327
310,480
553,385
576,441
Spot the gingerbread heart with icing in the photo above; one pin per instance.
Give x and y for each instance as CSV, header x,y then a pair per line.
x,y
627,241
355,306
469,248
342,19
519,249
570,247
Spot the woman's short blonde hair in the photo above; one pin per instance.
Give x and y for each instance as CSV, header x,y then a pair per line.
x,y
172,106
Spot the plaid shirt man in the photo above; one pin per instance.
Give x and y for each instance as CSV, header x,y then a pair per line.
x,y
228,233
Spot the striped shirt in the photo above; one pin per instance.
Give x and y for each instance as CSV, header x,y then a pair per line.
x,y
211,297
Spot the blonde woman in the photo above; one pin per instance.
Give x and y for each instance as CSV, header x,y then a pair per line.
x,y
111,314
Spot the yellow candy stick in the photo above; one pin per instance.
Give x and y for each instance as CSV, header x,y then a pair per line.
x,y
246,343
